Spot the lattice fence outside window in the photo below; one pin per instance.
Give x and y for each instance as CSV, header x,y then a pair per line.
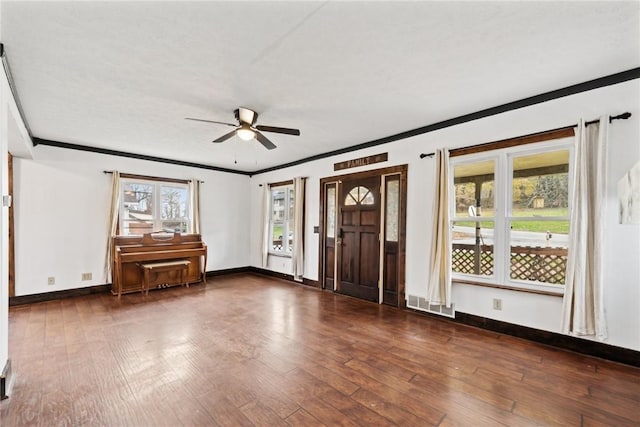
x,y
463,259
546,265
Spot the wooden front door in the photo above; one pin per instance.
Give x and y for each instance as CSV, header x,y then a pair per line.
x,y
357,242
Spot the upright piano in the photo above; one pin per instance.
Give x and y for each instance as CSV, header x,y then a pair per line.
x,y
131,254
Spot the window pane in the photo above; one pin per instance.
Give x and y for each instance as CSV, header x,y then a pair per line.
x,y
289,241
474,189
174,226
392,199
540,184
173,202
277,205
277,232
282,218
349,200
137,208
137,199
292,219
539,251
291,205
359,195
368,199
472,248
352,198
331,212
136,227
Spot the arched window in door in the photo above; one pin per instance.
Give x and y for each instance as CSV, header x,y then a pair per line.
x,y
359,196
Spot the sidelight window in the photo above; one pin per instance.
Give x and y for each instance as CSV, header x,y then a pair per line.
x,y
392,199
331,211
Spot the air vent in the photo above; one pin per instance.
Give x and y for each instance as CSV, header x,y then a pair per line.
x,y
420,303
413,301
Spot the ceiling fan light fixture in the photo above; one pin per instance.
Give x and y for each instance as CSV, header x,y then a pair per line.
x,y
245,129
246,134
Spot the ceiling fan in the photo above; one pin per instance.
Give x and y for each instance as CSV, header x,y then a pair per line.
x,y
246,128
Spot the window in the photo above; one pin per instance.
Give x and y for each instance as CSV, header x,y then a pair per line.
x,y
281,221
153,206
331,211
510,216
359,196
392,199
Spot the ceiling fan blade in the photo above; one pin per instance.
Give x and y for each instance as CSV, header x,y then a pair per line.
x,y
210,121
264,141
274,129
225,137
248,116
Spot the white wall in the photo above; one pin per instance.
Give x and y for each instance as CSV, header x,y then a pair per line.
x,y
622,265
61,215
4,222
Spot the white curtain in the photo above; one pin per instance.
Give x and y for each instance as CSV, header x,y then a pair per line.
x,y
583,308
264,232
114,209
439,283
297,260
194,195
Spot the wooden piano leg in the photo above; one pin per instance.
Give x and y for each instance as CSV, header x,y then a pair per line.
x,y
204,270
115,278
145,282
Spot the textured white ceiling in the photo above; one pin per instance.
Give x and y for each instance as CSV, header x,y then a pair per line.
x,y
122,76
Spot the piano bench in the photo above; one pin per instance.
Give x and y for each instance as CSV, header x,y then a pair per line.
x,y
152,276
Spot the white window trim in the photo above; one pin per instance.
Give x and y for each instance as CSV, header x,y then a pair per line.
x,y
286,222
503,204
157,215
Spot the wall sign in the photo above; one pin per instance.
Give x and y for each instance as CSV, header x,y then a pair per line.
x,y
362,161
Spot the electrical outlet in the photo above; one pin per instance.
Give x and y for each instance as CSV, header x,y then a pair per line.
x,y
86,276
51,281
497,304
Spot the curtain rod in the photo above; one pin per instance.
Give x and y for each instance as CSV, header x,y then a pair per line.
x,y
152,178
276,184
623,116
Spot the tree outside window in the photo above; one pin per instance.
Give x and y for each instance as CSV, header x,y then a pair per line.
x,y
153,206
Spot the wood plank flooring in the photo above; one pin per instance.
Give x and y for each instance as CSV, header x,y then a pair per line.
x,y
249,350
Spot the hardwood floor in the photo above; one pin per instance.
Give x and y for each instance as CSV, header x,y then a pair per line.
x,y
251,350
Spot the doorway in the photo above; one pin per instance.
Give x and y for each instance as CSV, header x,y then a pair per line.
x,y
362,231
357,242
